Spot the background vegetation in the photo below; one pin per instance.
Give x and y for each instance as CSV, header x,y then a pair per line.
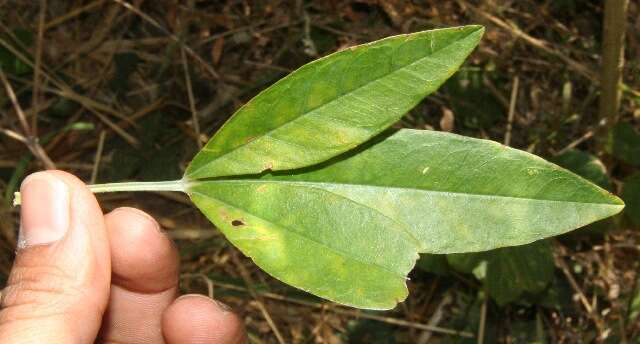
x,y
116,90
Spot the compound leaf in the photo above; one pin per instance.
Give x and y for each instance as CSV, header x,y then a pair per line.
x,y
334,104
350,229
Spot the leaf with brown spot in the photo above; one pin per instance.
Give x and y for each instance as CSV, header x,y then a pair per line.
x,y
358,222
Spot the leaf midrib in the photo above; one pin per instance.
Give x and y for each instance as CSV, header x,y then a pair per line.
x,y
289,230
329,102
312,184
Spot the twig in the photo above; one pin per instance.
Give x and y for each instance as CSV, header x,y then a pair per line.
x,y
109,19
63,165
565,269
309,46
581,296
589,134
268,65
153,22
32,142
615,21
147,109
35,96
206,279
435,318
92,105
251,28
512,110
231,32
12,134
483,319
544,46
21,116
354,313
73,13
495,92
258,299
126,136
98,157
320,325
537,43
66,92
192,102
337,32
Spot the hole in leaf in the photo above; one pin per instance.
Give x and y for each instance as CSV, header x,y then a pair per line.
x,y
237,223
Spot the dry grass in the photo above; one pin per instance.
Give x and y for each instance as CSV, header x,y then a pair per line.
x,y
153,77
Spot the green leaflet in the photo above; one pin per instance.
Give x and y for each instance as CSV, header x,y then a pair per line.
x,y
350,229
585,165
509,271
624,143
313,240
333,104
631,196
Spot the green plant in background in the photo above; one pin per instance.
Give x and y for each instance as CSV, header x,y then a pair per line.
x,y
10,62
624,144
305,180
509,272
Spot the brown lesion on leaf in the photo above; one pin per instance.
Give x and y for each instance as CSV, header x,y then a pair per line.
x,y
249,139
224,215
267,166
262,188
238,223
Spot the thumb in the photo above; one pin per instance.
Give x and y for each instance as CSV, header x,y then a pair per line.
x,y
59,284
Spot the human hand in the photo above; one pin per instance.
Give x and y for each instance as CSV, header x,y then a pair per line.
x,y
81,276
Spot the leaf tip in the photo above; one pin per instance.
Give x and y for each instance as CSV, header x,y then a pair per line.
x,y
477,31
615,200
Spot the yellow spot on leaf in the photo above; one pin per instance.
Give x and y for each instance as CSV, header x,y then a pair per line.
x,y
533,171
267,166
262,188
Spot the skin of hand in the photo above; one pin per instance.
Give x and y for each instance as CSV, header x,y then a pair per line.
x,y
82,277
